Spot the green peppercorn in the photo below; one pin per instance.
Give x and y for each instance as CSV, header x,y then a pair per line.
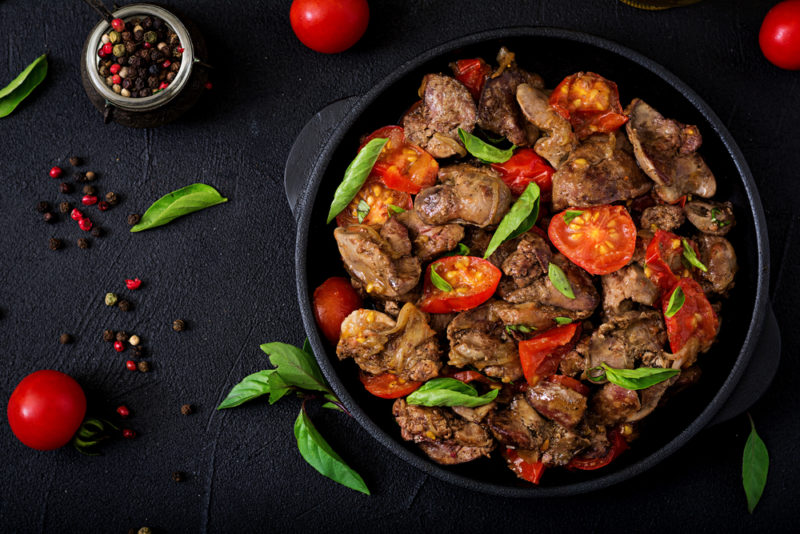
x,y
114,36
111,299
118,50
150,37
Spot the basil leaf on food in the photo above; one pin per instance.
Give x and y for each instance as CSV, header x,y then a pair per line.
x,y
560,281
691,257
519,219
251,387
296,367
563,320
355,175
569,215
714,213
181,202
438,282
450,392
20,87
525,329
319,455
484,151
641,378
755,465
395,209
362,210
676,301
460,250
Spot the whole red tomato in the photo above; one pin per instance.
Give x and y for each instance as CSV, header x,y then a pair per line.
x,y
46,409
329,26
779,37
334,300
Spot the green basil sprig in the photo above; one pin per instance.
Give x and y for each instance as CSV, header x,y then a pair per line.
x,y
180,202
450,392
460,250
362,210
20,87
755,464
640,378
569,215
519,219
395,209
91,433
438,282
691,257
563,320
676,301
560,281
355,175
525,329
296,370
714,219
484,151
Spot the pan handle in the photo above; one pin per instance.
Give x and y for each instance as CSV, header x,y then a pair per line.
x,y
309,144
759,373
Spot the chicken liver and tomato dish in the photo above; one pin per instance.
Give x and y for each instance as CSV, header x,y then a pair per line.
x,y
532,272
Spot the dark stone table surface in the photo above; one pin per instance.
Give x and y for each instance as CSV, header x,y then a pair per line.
x,y
229,272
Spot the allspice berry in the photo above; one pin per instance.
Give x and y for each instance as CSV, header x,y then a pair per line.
x,y
122,335
187,409
177,476
83,243
89,190
144,366
179,325
108,335
42,206
111,299
112,198
65,339
55,244
124,305
65,207
75,161
97,232
133,219
65,188
90,176
49,217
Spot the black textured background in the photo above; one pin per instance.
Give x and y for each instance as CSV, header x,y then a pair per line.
x,y
229,272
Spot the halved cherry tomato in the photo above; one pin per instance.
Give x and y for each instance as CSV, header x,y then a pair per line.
x,y
402,166
473,281
662,259
601,239
334,300
524,167
618,446
387,385
471,376
378,197
589,102
571,383
472,73
525,468
695,319
541,355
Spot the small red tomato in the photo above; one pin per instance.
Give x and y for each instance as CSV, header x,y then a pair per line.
x,y
123,411
133,284
119,346
130,365
85,224
118,25
334,300
387,385
779,37
115,68
55,172
46,409
329,26
89,200
76,215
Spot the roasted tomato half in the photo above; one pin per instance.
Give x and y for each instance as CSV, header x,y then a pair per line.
x,y
401,165
695,319
525,464
571,383
618,446
600,239
472,73
589,102
663,260
387,385
524,167
334,300
541,355
468,282
376,199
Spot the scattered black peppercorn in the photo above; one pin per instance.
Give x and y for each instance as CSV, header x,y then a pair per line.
x,y
187,409
112,198
75,161
89,190
108,335
90,176
124,305
65,207
65,188
55,244
97,232
177,476
133,219
144,366
179,325
122,335
42,206
49,217
83,243
65,339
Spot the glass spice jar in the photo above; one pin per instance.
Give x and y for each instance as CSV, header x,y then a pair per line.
x,y
164,106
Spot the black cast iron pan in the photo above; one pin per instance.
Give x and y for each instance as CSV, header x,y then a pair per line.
x,y
736,371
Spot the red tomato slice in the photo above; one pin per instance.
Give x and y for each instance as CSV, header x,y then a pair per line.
x,y
473,281
695,319
571,383
526,469
618,446
524,167
402,166
472,73
378,197
387,385
589,102
541,355
334,300
662,259
601,239
470,376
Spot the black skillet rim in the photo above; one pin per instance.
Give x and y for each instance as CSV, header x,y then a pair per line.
x,y
306,202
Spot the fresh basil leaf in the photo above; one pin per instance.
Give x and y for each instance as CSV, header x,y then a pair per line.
x,y
319,455
714,213
640,378
450,392
520,328
484,151
519,219
307,347
331,406
91,433
20,87
251,387
755,465
569,215
395,209
676,301
181,202
362,210
296,367
438,282
460,250
691,257
355,175
563,320
560,281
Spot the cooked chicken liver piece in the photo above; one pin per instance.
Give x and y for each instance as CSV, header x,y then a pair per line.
x,y
602,170
529,260
662,217
558,403
715,218
666,151
626,338
468,194
559,139
719,257
613,404
430,241
518,425
626,286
